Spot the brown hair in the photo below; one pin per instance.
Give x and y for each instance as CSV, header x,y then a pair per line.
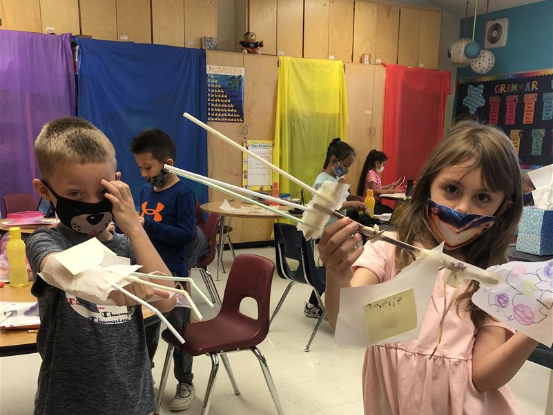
x,y
70,139
492,151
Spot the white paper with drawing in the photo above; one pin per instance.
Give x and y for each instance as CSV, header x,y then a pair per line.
x,y
523,299
389,312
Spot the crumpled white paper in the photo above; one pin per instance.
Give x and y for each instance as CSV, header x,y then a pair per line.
x,y
543,181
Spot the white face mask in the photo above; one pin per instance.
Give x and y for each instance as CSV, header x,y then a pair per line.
x,y
380,170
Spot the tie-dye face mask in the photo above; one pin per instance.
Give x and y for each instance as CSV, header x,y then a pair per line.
x,y
456,229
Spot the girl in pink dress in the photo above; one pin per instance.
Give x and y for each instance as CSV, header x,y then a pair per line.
x,y
371,179
473,175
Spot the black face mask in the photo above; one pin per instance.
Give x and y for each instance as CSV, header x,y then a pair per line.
x,y
89,219
159,179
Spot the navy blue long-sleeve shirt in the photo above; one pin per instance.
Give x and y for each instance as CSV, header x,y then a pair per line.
x,y
170,222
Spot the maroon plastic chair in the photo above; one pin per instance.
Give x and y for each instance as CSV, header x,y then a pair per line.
x,y
199,216
19,202
250,276
210,230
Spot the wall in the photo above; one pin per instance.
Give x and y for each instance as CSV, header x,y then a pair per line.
x,y
529,41
225,25
449,34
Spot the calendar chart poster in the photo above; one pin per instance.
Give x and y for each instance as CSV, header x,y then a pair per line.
x,y
255,174
520,104
225,93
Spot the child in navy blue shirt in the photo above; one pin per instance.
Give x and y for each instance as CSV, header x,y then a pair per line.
x,y
167,212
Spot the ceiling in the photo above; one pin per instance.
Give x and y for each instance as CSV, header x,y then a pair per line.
x,y
457,7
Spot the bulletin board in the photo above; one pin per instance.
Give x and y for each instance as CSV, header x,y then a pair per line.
x,y
521,104
255,174
225,94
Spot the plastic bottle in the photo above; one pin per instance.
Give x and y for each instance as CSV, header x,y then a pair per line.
x,y
370,202
275,192
15,249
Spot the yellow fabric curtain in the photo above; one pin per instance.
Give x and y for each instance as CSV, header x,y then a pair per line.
x,y
311,111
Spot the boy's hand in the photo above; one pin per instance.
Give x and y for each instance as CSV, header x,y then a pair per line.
x,y
337,248
141,220
119,194
140,290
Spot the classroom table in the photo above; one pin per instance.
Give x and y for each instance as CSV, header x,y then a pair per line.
x,y
25,229
395,196
215,207
16,342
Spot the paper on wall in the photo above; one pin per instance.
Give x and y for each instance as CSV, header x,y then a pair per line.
x,y
389,312
523,299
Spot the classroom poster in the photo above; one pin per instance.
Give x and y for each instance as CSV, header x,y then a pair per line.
x,y
225,93
255,174
521,104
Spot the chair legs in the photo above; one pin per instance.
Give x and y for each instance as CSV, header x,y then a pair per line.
x,y
211,383
268,378
164,376
230,373
281,301
319,321
210,285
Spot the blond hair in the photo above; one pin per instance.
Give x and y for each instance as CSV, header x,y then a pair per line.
x,y
70,140
491,150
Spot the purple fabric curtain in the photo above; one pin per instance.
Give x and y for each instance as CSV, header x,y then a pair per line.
x,y
37,84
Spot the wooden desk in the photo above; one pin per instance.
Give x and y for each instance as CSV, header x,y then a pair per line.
x,y
214,207
395,196
16,342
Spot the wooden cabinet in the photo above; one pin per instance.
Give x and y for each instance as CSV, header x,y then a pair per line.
x,y
387,26
419,38
365,90
364,34
60,16
290,28
98,19
168,22
200,19
21,15
263,22
134,22
340,32
315,24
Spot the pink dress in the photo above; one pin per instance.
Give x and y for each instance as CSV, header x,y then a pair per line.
x,y
372,176
400,378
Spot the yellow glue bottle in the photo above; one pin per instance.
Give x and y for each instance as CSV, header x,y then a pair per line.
x,y
370,202
15,249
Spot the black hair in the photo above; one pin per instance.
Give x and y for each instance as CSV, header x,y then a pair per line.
x,y
155,141
339,149
373,157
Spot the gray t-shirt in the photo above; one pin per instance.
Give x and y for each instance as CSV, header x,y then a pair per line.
x,y
94,357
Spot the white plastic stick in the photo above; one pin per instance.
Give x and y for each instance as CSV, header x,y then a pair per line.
x,y
151,307
185,279
170,289
190,175
251,153
247,199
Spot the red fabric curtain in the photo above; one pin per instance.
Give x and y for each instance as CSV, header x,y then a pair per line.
x,y
414,107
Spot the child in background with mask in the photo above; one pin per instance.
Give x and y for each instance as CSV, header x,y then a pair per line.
x,y
472,173
370,178
168,213
339,158
91,363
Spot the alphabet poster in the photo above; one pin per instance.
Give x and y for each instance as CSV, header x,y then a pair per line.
x,y
225,93
521,104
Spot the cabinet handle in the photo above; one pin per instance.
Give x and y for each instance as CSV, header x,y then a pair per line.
x,y
374,132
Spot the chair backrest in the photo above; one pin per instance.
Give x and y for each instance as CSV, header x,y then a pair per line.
x,y
200,221
250,276
288,242
210,231
20,202
315,275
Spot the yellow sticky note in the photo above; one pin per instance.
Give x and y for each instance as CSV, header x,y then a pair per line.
x,y
390,316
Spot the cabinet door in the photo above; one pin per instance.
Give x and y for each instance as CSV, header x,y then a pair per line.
x,y
315,44
290,28
200,19
409,37
387,26
21,15
168,22
98,19
340,36
263,22
378,107
364,31
360,90
60,16
429,45
134,23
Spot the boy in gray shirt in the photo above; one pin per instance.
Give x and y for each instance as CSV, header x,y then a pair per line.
x,y
94,357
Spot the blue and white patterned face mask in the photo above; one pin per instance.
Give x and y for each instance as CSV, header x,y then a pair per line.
x,y
456,229
340,171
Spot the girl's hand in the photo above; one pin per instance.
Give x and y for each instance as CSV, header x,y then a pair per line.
x,y
354,204
337,249
119,194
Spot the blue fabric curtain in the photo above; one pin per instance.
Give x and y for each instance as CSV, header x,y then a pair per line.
x,y
37,84
127,87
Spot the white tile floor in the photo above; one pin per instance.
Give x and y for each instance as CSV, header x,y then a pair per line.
x,y
326,381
